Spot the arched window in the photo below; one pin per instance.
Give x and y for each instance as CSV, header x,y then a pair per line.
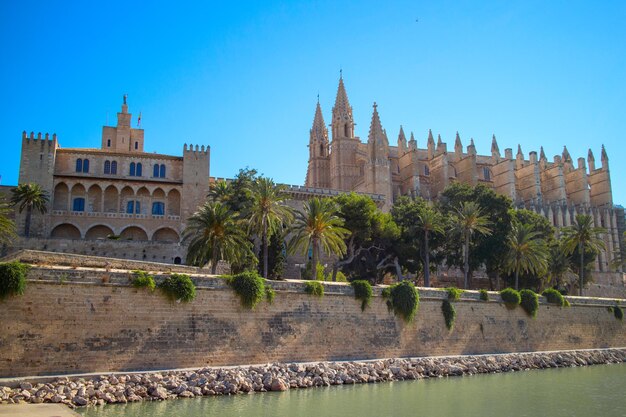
x,y
426,170
79,165
155,170
158,208
114,167
86,165
133,206
108,143
136,145
162,171
139,169
132,169
78,204
107,167
487,174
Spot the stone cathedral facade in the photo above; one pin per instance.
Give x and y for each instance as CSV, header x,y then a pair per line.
x,y
558,189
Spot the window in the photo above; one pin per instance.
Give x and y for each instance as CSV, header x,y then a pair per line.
x,y
162,171
86,165
136,145
487,174
107,167
132,169
158,208
139,169
133,206
114,167
78,204
155,170
108,143
426,170
79,165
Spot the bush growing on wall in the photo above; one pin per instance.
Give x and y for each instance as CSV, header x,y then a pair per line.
x,y
314,288
529,302
12,278
484,295
178,287
510,297
454,294
270,294
363,292
554,297
249,286
141,279
402,299
449,313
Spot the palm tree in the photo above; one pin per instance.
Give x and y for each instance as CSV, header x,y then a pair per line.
x,y
468,221
268,213
527,252
30,197
558,265
318,227
7,226
219,191
214,234
429,221
582,235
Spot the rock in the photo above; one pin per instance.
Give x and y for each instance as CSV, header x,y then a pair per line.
x,y
159,393
26,385
57,398
278,384
80,401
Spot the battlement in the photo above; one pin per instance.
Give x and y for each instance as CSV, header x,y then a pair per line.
x,y
27,139
197,150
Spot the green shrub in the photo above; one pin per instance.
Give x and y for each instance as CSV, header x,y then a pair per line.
x,y
269,295
454,294
618,312
142,279
566,303
510,297
314,288
529,302
403,299
484,295
363,292
449,313
554,297
12,278
250,288
178,287
340,277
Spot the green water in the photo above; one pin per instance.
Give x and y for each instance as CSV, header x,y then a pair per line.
x,y
589,391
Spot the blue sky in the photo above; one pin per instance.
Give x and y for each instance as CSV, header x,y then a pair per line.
x,y
244,77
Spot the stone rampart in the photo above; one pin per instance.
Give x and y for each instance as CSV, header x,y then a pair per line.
x,y
77,321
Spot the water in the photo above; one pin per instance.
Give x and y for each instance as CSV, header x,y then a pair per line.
x,y
588,391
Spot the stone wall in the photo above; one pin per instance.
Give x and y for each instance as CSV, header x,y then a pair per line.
x,y
75,321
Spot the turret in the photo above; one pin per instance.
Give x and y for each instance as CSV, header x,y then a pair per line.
x,y
566,156
471,148
122,138
519,158
458,146
412,143
604,158
441,147
196,170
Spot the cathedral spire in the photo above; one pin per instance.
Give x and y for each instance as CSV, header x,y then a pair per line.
x,y
318,131
342,123
377,134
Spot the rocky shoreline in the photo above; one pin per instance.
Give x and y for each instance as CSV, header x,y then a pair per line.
x,y
155,386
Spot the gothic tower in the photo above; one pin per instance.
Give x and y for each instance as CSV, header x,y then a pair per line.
x,y
318,172
377,168
344,170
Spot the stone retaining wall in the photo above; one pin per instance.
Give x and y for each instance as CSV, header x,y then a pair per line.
x,y
76,321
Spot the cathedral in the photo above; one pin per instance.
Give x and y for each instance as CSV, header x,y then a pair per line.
x,y
557,189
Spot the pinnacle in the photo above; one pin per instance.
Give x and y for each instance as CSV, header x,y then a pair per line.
x,y
519,150
401,136
376,129
605,157
590,155
542,154
318,131
566,155
494,144
341,101
439,140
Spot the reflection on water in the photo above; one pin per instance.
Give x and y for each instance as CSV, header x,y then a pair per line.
x,y
587,391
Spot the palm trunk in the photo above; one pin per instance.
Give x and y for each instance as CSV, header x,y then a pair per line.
x,y
214,261
314,259
29,214
581,249
516,280
265,250
426,261
466,261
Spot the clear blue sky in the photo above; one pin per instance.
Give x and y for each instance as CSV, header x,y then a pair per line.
x,y
243,77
